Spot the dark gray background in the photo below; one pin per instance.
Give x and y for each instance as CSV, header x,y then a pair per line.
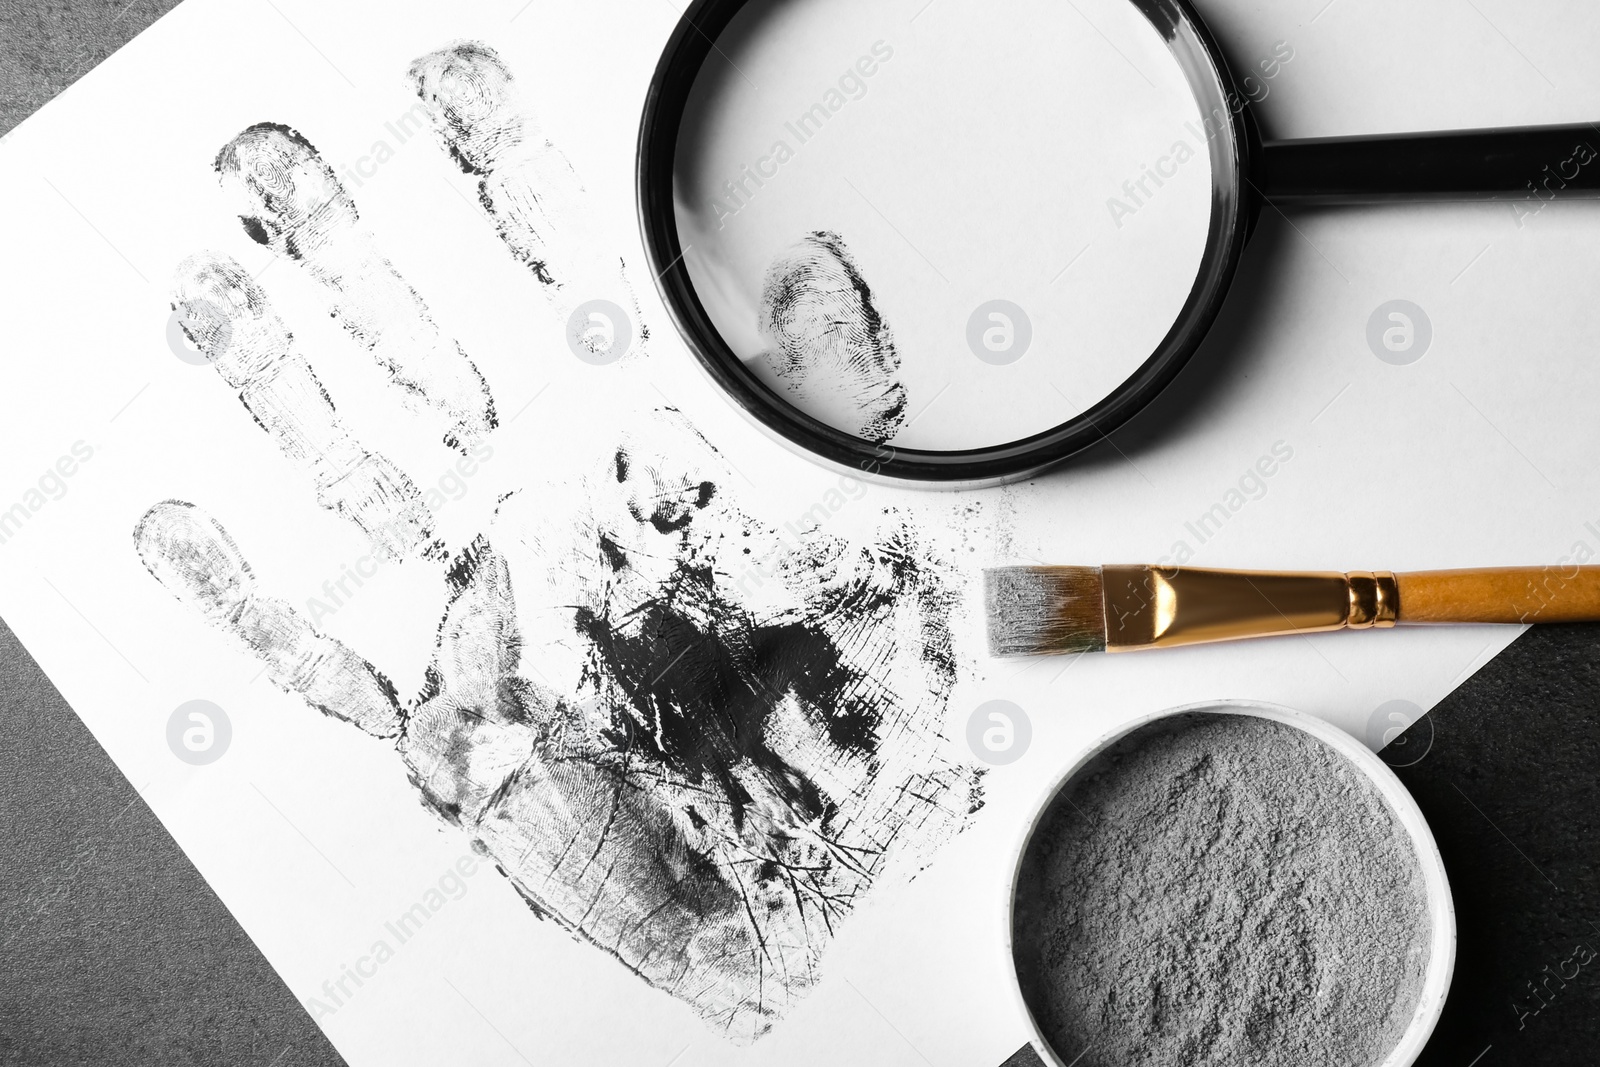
x,y
113,950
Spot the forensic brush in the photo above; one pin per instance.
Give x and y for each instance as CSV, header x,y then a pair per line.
x,y
1050,610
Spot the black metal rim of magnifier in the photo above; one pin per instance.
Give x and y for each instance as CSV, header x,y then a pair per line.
x,y
1231,139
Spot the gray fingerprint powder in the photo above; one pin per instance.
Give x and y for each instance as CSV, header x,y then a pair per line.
x,y
1221,889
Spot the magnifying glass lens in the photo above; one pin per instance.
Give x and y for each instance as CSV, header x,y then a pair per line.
x,y
944,229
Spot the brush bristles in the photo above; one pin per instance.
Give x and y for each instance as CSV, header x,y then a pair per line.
x,y
1043,610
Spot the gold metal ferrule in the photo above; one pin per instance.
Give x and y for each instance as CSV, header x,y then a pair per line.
x,y
1155,607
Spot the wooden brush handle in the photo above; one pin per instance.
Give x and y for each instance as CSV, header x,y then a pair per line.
x,y
1501,594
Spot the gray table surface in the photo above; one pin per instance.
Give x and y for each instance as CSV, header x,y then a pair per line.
x,y
113,949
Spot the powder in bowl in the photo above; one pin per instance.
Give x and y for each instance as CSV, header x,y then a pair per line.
x,y
1221,890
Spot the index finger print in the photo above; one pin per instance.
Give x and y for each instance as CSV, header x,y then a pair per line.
x,y
531,192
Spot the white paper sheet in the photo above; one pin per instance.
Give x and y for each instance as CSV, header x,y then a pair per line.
x,y
1478,454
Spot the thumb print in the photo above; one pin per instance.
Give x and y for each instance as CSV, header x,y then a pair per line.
x,y
826,341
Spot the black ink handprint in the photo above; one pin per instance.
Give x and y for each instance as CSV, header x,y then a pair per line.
x,y
696,764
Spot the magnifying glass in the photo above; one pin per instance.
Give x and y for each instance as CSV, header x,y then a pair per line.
x,y
956,244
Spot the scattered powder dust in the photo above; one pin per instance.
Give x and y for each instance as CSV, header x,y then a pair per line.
x,y
1221,889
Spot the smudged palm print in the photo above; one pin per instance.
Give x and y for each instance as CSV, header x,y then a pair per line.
x,y
686,739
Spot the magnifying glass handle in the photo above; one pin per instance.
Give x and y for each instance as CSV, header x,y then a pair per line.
x,y
1527,163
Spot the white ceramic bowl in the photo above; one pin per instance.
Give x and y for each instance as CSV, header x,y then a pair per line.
x,y
1441,909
